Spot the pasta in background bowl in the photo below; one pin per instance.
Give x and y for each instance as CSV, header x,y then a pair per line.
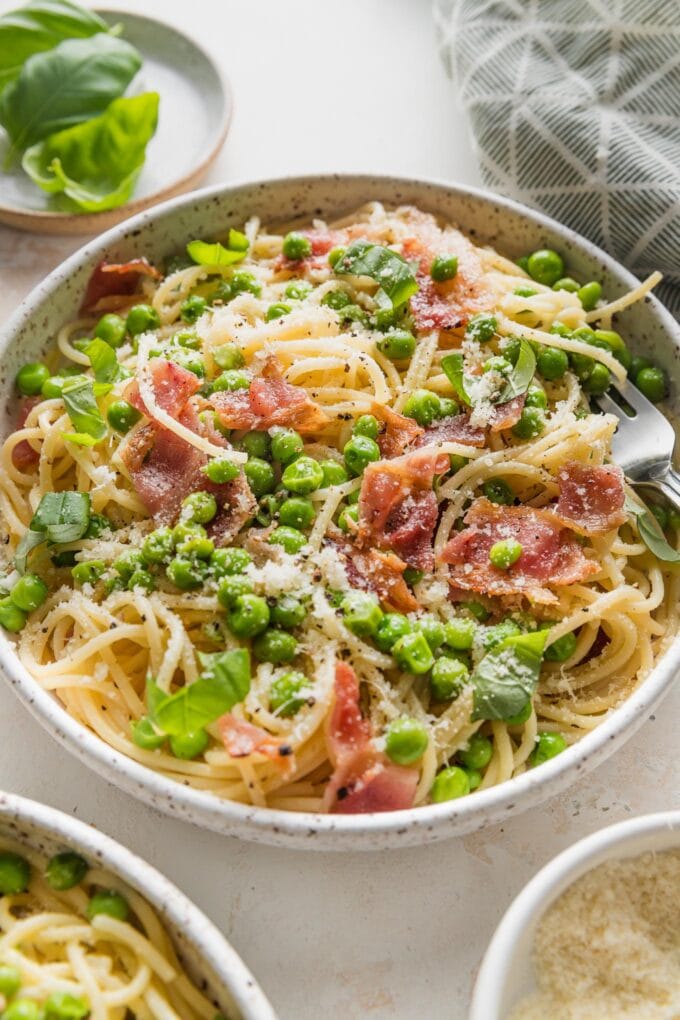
x,y
331,363
89,929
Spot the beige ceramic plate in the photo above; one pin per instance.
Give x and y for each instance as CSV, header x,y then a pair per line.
x,y
195,111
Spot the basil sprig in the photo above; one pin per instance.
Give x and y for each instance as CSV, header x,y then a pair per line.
x,y
454,369
224,682
79,395
394,275
216,254
507,676
61,517
519,380
650,531
105,364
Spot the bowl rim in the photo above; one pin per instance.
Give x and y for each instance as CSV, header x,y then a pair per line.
x,y
413,826
546,887
163,895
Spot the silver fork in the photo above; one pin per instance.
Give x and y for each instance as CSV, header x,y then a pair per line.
x,y
643,443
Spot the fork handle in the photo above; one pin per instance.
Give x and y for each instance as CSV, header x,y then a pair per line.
x,y
666,485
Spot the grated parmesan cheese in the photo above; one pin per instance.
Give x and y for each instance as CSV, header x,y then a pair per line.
x,y
610,945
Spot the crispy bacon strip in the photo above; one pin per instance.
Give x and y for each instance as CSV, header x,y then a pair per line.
x,y
550,554
456,429
112,283
591,499
504,416
378,572
269,401
172,386
400,432
23,454
241,739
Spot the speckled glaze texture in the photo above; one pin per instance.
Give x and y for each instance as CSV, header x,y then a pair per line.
x,y
204,952
506,975
488,219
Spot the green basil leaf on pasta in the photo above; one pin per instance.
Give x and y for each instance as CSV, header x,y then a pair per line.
x,y
29,541
224,683
61,517
79,438
237,241
453,367
65,86
390,271
105,364
507,676
650,531
522,373
205,254
95,165
39,26
79,398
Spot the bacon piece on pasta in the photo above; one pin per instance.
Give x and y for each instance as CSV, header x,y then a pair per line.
x,y
269,401
241,739
397,507
550,554
455,429
172,386
400,432
591,499
504,416
112,284
363,780
23,454
378,572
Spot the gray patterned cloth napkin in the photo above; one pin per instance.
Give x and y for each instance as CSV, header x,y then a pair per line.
x,y
575,110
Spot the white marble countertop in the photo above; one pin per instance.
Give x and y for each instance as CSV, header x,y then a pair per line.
x,y
396,935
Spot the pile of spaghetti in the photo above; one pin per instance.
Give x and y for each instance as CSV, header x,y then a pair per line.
x,y
324,520
77,943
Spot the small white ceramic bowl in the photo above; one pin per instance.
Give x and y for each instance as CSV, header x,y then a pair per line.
x,y
206,955
513,230
506,975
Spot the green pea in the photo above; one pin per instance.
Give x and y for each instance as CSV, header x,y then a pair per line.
x,y
366,425
108,902
286,444
289,538
12,618
497,363
582,365
458,462
288,611
447,407
53,387
285,691
530,424
444,267
23,1009
29,593
297,512
231,380
158,546
333,473
522,716
525,291
522,262
599,379
66,870
248,616
406,741
145,735
423,406
188,339
336,299
303,476
545,266
142,579
193,308
260,475
493,636
348,517
233,560
448,678
221,470
413,654
354,496
10,980
536,397
228,356
275,646
589,294
277,311
459,633
433,631
298,290
257,444
451,783
199,507
111,329
64,1006
141,318
498,491
562,649
231,588
242,281
481,328
15,874
566,283
186,574
547,746
359,452
334,256
392,627
31,378
652,383
504,553
296,246
397,345
189,745
362,613
413,576
552,363
478,752
121,416
474,778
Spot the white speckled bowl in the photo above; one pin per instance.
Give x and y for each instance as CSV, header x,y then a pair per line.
x,y
154,233
204,952
507,975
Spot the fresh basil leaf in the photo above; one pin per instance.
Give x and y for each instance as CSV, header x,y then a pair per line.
x,y
65,86
522,373
390,271
95,165
79,398
205,254
79,438
237,241
29,541
455,373
507,676
39,26
650,531
105,364
223,684
61,517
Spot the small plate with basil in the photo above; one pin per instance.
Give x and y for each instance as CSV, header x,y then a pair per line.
x,y
102,113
